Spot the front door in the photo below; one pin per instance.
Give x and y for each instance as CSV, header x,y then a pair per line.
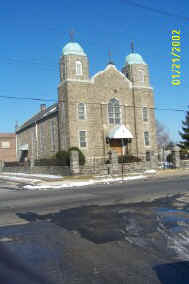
x,y
116,145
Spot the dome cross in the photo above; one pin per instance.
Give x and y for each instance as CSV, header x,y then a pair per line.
x,y
132,47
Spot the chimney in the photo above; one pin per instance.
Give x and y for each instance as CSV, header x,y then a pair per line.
x,y
43,107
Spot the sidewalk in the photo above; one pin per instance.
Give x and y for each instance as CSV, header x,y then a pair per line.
x,y
42,182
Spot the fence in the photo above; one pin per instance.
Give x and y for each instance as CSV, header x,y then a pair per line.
x,y
94,165
16,164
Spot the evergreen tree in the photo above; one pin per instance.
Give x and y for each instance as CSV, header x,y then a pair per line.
x,y
184,144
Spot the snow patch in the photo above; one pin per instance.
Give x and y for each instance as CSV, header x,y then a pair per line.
x,y
150,172
30,175
68,184
26,180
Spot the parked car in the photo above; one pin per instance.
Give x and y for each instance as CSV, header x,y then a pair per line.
x,y
166,165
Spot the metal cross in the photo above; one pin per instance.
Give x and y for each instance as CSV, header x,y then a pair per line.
x,y
72,33
132,47
110,56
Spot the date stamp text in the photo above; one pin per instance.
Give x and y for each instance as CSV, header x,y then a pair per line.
x,y
176,57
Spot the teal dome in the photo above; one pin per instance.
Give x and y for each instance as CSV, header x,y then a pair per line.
x,y
134,58
73,48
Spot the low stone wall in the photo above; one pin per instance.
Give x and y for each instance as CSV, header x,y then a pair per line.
x,y
184,164
100,170
105,169
113,169
53,170
131,167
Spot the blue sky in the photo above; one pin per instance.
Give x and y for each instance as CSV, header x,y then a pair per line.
x,y
33,34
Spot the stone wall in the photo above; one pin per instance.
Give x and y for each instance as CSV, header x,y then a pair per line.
x,y
53,170
184,164
113,169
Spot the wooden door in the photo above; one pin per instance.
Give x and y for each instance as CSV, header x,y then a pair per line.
x,y
116,145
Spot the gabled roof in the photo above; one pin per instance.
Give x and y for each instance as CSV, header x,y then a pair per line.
x,y
109,67
39,116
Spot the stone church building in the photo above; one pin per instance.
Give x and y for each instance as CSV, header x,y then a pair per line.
x,y
112,110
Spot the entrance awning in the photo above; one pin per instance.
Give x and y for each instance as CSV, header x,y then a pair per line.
x,y
23,147
120,132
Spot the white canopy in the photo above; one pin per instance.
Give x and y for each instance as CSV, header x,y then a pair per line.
x,y
23,147
119,132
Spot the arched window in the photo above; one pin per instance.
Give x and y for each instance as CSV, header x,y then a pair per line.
x,y
81,111
78,68
114,111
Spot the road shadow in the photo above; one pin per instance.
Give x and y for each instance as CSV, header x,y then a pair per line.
x,y
94,223
14,270
99,224
173,273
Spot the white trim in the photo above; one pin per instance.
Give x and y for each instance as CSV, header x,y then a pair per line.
x,y
23,147
78,68
5,144
119,132
108,122
142,87
85,111
141,71
16,147
37,142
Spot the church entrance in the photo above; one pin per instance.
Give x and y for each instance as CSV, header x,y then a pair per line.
x,y
115,145
119,145
119,137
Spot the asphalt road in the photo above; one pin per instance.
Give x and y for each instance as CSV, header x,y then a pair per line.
x,y
96,234
14,199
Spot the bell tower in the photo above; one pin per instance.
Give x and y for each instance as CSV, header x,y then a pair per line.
x,y
136,70
73,63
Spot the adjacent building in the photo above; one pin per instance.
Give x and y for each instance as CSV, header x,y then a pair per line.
x,y
7,147
112,110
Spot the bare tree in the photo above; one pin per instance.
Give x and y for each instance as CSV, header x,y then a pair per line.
x,y
163,138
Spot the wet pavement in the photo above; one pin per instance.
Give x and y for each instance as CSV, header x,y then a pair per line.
x,y
146,242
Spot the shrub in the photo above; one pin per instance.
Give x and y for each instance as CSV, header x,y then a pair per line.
x,y
81,155
63,156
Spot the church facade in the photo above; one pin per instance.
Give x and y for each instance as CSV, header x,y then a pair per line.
x,y
111,111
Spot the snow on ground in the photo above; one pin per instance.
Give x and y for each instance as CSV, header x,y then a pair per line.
x,y
150,172
18,179
28,175
66,184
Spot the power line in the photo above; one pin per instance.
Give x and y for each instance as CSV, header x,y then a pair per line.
x,y
155,10
24,98
126,106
